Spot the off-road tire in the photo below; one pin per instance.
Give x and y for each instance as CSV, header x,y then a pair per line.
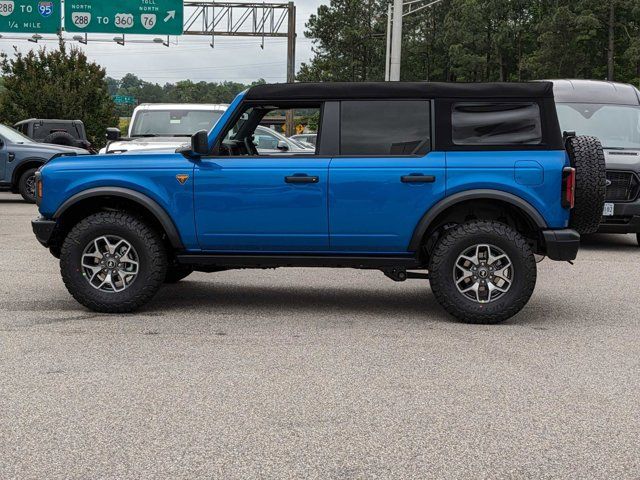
x,y
459,238
150,249
23,185
61,138
175,273
587,157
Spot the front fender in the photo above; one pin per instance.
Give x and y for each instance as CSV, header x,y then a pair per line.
x,y
143,200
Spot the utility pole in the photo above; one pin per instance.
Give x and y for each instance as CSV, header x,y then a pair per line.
x,y
291,64
396,41
388,50
395,14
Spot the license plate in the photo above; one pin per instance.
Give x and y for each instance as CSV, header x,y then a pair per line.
x,y
608,209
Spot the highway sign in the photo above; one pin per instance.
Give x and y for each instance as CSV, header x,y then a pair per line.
x,y
124,100
30,16
151,17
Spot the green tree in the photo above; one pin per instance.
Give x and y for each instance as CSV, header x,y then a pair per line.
x,y
349,42
58,83
480,40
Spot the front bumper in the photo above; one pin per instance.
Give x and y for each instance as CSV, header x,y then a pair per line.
x,y
43,228
626,219
561,245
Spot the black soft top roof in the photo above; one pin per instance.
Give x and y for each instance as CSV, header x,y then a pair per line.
x,y
348,90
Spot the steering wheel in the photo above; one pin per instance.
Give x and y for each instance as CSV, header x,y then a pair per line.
x,y
250,146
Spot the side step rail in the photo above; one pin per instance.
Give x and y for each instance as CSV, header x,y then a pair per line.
x,y
275,261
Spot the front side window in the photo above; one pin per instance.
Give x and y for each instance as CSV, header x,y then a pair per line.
x,y
173,123
617,126
385,127
489,123
260,131
13,136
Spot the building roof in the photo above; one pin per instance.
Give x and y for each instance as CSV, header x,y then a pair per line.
x,y
595,91
373,90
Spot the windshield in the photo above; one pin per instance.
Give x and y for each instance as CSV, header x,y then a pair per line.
x,y
617,126
173,123
13,136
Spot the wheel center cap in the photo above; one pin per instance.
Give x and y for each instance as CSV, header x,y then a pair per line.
x,y
111,263
482,273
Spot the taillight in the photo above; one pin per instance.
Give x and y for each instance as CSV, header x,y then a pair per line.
x,y
568,187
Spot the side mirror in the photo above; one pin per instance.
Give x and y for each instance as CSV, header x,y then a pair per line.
x,y
200,143
282,145
113,134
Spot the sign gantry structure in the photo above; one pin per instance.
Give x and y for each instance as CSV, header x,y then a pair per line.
x,y
152,17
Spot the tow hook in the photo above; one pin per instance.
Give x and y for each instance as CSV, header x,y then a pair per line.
x,y
401,274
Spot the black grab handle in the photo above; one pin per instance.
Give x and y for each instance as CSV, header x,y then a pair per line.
x,y
301,179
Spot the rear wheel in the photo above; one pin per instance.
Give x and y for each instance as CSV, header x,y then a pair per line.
x,y
113,262
27,185
482,272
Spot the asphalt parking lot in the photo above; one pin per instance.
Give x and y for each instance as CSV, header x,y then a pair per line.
x,y
318,374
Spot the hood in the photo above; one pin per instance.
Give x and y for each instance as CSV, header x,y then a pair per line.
x,y
627,159
152,143
46,149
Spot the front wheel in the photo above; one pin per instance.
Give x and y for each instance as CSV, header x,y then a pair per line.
x,y
27,185
113,262
482,272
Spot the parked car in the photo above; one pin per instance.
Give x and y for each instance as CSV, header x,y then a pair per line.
x,y
268,141
70,133
156,126
20,157
459,183
308,138
611,112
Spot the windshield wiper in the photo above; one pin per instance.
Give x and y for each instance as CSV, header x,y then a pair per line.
x,y
144,135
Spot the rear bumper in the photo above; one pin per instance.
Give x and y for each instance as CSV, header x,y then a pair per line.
x,y
626,219
43,229
561,245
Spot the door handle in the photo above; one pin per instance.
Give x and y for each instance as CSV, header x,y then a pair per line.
x,y
301,179
417,178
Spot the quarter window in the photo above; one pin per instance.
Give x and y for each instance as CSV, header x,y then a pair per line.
x,y
496,124
386,127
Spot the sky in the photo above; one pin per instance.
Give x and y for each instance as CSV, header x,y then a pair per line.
x,y
238,59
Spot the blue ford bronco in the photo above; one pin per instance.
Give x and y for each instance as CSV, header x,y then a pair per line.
x,y
463,184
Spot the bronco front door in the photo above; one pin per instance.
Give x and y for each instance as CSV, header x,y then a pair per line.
x,y
248,201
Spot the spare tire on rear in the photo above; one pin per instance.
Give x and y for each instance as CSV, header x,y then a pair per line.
x,y
61,138
587,157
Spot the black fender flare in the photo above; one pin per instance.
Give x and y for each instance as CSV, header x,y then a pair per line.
x,y
143,200
15,178
460,197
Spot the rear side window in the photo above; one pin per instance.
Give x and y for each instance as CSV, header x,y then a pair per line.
x,y
385,127
496,124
